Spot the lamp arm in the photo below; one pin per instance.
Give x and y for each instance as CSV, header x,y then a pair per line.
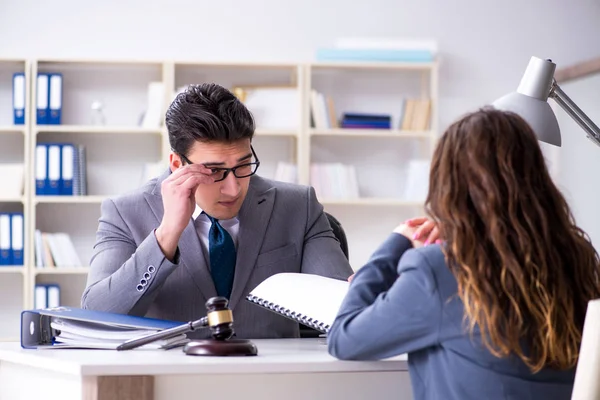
x,y
575,112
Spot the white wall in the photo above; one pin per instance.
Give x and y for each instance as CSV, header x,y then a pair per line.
x,y
485,44
580,157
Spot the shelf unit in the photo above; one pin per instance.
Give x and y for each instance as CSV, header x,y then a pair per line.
x,y
378,155
14,142
117,153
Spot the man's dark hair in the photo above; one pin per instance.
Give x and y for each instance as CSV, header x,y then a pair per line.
x,y
207,112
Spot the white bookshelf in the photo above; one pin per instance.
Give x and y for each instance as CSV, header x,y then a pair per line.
x,y
118,151
379,156
14,140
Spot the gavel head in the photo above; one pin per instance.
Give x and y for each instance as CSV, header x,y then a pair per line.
x,y
220,318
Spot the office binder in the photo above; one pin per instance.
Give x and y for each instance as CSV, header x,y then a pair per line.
x,y
52,295
54,155
40,296
41,169
67,169
5,239
42,98
69,327
55,99
312,300
17,238
19,98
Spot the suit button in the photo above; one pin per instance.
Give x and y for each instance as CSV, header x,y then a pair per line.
x,y
146,275
151,269
144,282
140,288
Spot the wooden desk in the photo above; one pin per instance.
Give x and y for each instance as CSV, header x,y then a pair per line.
x,y
289,369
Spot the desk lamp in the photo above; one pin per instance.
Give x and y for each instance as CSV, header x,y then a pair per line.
x,y
530,102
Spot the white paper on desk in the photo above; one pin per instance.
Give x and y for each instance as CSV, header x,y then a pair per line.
x,y
86,335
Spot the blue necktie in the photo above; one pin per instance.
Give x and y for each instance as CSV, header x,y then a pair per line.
x,y
222,257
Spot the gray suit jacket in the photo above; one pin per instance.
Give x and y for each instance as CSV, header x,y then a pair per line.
x,y
406,300
282,229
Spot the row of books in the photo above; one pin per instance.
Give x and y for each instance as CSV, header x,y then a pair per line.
x,y
12,239
55,250
46,295
379,50
339,181
286,172
48,98
60,169
416,115
323,115
334,180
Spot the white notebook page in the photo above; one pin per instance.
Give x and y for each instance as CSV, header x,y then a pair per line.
x,y
314,296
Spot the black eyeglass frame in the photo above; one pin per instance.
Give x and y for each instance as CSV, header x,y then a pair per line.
x,y
228,170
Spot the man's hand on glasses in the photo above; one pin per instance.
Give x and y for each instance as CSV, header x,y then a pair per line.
x,y
179,204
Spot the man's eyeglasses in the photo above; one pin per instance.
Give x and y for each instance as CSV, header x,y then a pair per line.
x,y
240,171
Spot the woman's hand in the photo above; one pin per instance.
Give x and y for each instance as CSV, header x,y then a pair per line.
x,y
421,231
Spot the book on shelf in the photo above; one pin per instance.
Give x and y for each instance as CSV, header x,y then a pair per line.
x,y
311,300
48,98
46,295
69,327
366,121
273,107
334,180
54,250
286,172
60,169
322,111
12,239
416,115
13,177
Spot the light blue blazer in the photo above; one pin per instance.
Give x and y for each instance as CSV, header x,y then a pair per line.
x,y
405,300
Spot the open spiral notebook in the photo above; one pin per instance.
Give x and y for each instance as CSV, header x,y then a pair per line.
x,y
312,300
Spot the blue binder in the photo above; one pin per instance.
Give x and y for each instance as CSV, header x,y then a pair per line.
x,y
17,238
42,98
36,330
54,173
55,99
41,169
67,168
19,98
6,258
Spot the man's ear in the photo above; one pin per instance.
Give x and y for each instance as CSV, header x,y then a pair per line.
x,y
174,162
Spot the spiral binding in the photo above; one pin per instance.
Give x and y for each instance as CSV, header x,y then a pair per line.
x,y
303,319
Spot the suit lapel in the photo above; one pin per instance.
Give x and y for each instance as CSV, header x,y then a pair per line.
x,y
254,217
191,254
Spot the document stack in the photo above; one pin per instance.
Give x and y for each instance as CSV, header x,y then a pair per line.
x,y
60,170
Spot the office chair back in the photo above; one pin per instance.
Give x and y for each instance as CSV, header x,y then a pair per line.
x,y
587,384
339,233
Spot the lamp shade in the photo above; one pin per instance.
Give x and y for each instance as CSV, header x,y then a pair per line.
x,y
530,101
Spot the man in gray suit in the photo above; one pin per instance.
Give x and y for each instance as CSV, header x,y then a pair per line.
x,y
209,226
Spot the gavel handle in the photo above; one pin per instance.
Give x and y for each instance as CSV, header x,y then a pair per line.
x,y
164,334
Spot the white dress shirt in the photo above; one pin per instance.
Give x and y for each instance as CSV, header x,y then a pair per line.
x,y
203,224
